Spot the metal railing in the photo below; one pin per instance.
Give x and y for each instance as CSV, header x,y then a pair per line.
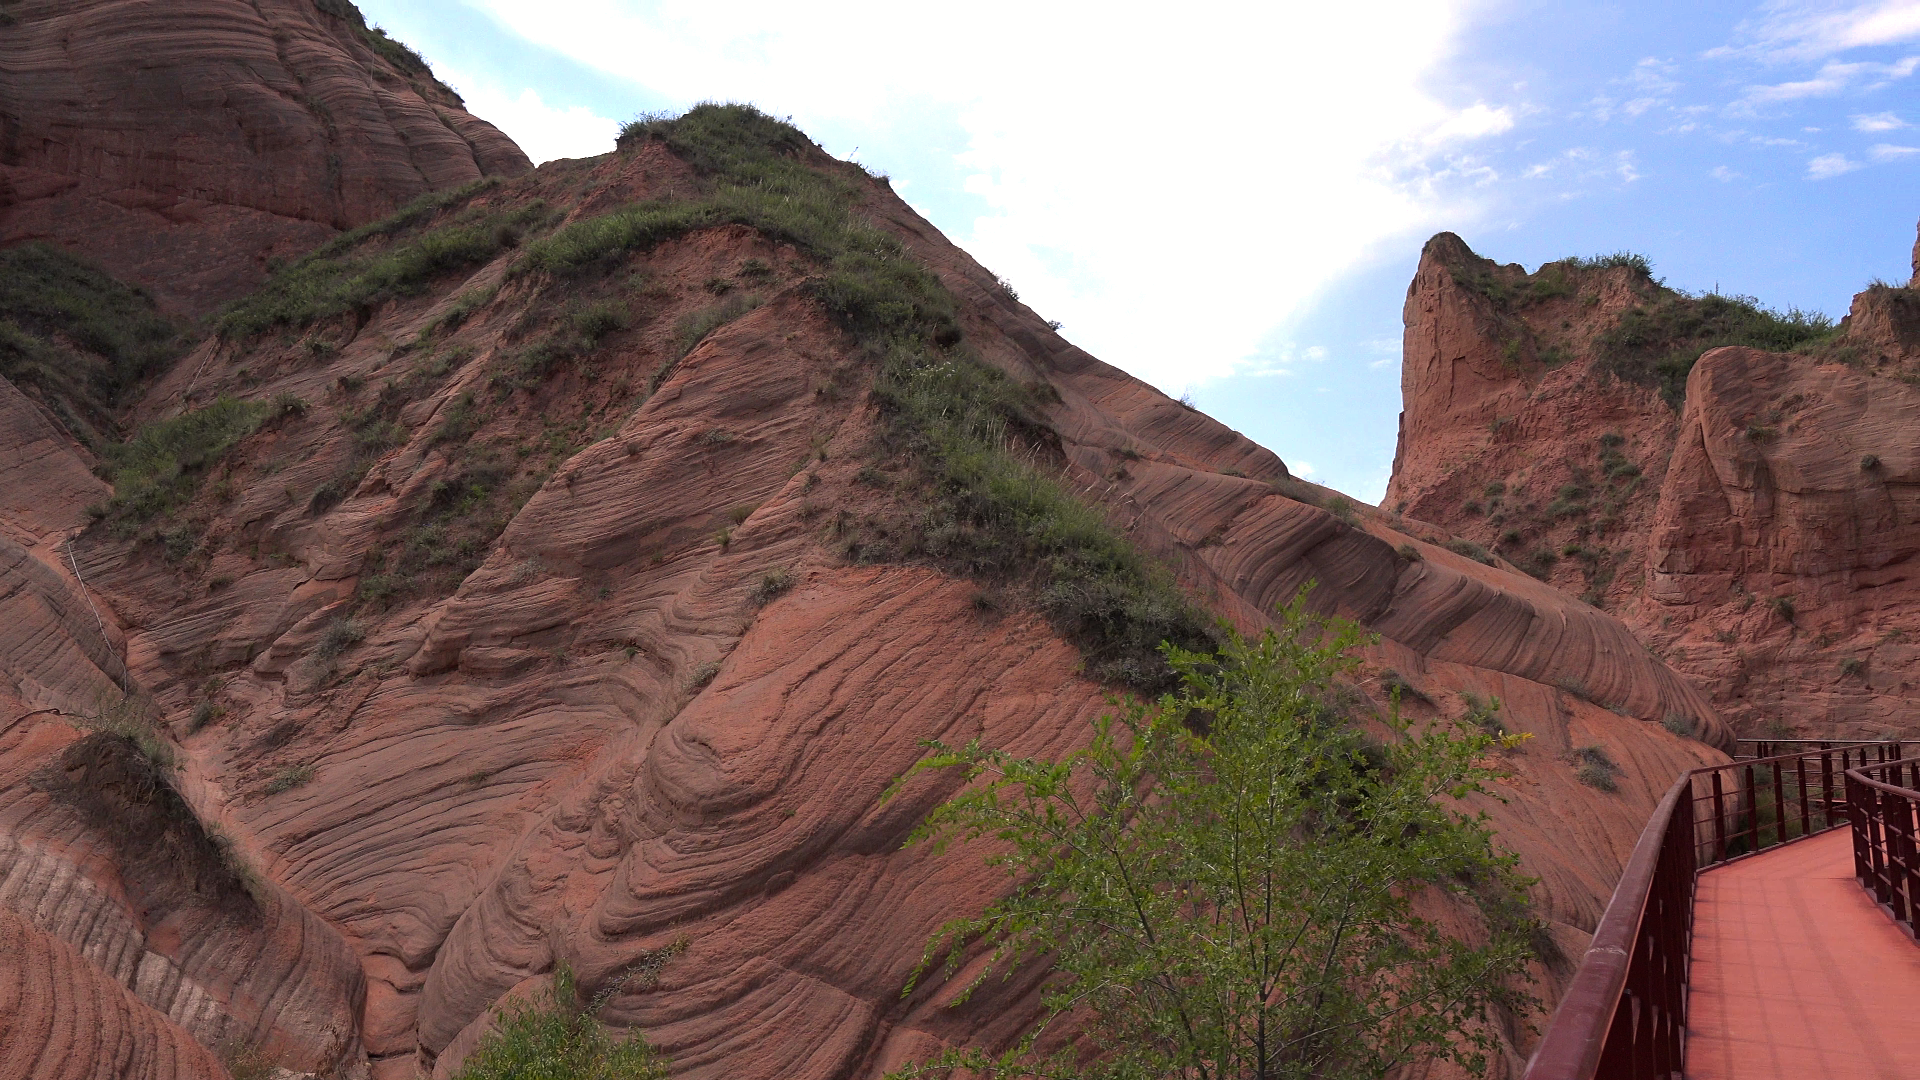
x,y
1759,748
1885,799
1624,1015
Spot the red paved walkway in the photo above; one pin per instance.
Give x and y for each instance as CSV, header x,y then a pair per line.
x,y
1797,975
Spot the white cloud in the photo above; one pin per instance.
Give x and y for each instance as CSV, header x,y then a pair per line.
x,y
1885,121
1133,169
1300,468
544,131
1890,152
1833,78
1830,165
1803,30
1723,174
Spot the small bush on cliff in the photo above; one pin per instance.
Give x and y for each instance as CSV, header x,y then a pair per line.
x,y
559,1037
1247,902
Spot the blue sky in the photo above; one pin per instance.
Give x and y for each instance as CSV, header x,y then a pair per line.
x,y
1229,204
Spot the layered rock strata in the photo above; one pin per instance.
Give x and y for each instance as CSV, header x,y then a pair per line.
x,y
641,690
184,145
1756,533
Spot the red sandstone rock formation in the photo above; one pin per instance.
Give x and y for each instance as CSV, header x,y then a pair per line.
x,y
598,731
1760,540
182,145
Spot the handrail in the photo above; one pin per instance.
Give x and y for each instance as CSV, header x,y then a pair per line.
x,y
1759,748
1623,1016
1886,859
1581,1031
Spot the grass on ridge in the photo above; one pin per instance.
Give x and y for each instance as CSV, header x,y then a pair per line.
x,y
989,513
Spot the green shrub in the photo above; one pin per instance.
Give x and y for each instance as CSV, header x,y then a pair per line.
x,y
1460,545
1783,607
771,584
1250,901
340,635
559,1037
1594,768
1398,687
1483,713
1680,724
1639,264
291,777
161,467
1852,666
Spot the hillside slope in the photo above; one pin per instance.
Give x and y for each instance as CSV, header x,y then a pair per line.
x,y
562,569
184,145
1736,484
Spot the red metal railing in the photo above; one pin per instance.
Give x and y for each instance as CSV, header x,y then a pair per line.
x,y
1885,799
1759,748
1624,1016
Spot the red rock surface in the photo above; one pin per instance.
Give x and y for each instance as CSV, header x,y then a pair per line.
x,y
61,1018
1753,504
605,737
181,145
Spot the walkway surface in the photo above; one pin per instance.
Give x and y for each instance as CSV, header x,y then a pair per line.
x,y
1797,974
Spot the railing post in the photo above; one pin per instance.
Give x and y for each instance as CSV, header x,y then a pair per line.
x,y
1800,790
1752,802
1826,787
1719,821
1779,806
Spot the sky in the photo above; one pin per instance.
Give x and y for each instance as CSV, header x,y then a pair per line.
x,y
1228,200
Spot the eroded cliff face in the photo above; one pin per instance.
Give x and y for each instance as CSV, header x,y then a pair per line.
x,y
183,145
511,636
1759,537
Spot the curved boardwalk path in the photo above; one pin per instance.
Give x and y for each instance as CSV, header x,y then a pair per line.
x,y
1797,974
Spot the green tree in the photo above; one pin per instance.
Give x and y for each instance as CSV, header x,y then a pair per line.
x,y
1233,882
557,1037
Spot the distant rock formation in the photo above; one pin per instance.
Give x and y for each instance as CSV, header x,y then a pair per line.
x,y
183,145
1750,514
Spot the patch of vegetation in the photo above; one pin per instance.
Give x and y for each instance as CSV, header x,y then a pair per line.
x,y
1634,261
1595,768
1244,901
577,334
340,635
1483,713
1460,545
771,584
1539,563
291,777
1852,666
1656,343
161,848
1681,724
342,276
161,467
557,1036
77,338
1398,688
693,328
1783,607
1409,553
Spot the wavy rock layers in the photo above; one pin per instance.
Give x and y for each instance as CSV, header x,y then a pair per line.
x,y
62,1019
182,145
668,699
1766,561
